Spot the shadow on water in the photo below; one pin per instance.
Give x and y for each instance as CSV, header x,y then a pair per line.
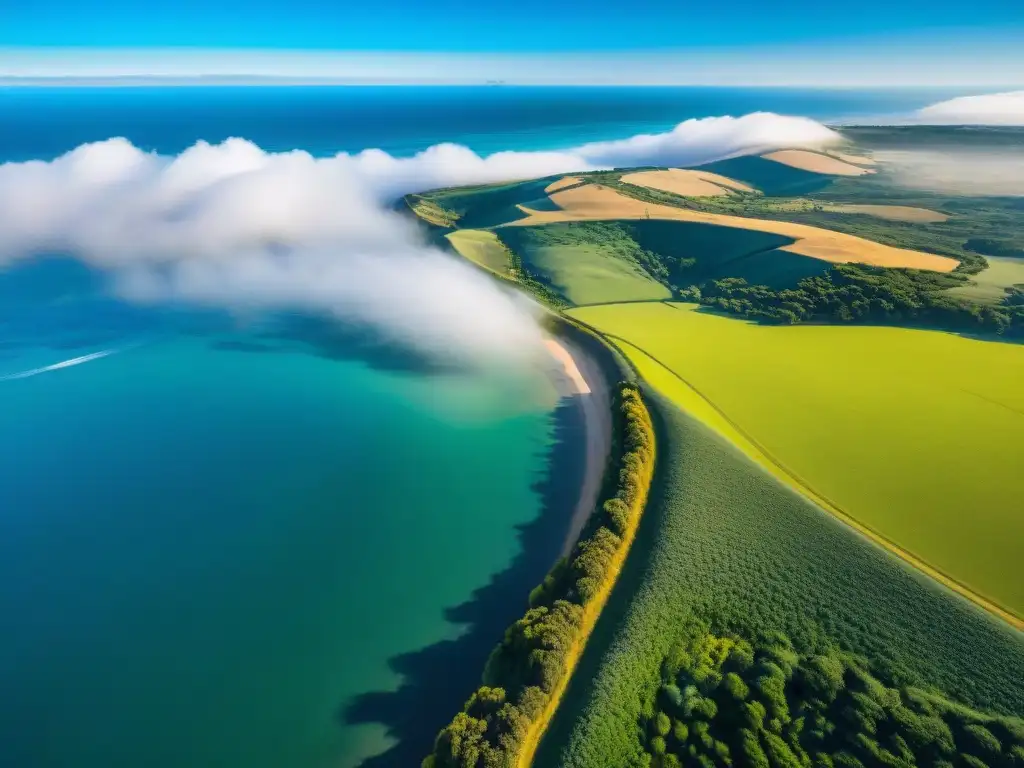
x,y
326,337
437,680
62,304
634,574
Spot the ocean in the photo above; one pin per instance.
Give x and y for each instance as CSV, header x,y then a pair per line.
x,y
251,541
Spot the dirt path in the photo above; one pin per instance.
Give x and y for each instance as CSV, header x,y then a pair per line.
x,y
587,386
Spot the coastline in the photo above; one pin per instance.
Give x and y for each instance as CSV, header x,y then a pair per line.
x,y
588,388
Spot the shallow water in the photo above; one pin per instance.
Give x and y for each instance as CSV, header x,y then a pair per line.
x,y
213,538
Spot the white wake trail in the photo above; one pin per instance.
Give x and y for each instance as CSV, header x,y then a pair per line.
x,y
57,366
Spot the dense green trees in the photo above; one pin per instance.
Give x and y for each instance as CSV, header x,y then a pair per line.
x,y
534,656
996,247
729,701
850,293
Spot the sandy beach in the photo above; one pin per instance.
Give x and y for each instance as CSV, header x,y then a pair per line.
x,y
586,384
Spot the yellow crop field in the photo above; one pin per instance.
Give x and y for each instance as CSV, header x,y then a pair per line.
x,y
915,435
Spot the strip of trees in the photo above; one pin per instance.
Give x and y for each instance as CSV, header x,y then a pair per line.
x,y
850,293
538,650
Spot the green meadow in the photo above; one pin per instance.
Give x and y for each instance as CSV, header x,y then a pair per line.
x,y
903,430
585,262
727,547
483,248
990,286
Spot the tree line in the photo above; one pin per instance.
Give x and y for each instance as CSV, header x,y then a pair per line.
x,y
852,293
535,654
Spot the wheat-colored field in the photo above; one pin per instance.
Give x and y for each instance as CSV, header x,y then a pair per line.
x,y
687,183
596,202
816,162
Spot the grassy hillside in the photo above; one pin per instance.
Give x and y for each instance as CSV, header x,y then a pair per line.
x,y
902,430
694,253
991,285
483,248
774,179
725,544
585,262
488,205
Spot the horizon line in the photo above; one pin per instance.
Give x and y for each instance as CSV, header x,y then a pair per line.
x,y
213,80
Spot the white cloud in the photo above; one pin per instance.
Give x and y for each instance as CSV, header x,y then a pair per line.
x,y
989,109
233,225
701,140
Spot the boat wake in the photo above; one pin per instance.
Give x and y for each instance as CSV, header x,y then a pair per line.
x,y
57,366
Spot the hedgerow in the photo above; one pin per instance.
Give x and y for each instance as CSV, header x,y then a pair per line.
x,y
539,650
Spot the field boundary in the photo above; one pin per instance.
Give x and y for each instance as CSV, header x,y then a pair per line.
x,y
528,673
763,457
591,613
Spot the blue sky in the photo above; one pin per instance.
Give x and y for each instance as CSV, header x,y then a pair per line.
x,y
651,40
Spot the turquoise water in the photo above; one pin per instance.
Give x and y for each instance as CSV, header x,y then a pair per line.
x,y
206,553
215,537
257,542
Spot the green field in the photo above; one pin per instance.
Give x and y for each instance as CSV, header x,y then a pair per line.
x,y
584,262
717,252
989,286
724,543
903,430
483,248
490,204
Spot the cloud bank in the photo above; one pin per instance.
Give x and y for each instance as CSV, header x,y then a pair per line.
x,y
694,142
232,225
958,173
990,109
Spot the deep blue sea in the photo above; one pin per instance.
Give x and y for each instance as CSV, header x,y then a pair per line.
x,y
247,542
40,123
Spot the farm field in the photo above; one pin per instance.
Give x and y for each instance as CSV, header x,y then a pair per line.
x,y
900,429
724,543
588,264
688,183
481,247
597,202
989,286
816,162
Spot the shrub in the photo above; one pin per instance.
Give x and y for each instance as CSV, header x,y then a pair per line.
x,y
978,740
735,687
750,719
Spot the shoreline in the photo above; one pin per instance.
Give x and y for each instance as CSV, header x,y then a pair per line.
x,y
589,390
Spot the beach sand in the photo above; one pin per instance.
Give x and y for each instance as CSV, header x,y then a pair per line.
x,y
586,384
